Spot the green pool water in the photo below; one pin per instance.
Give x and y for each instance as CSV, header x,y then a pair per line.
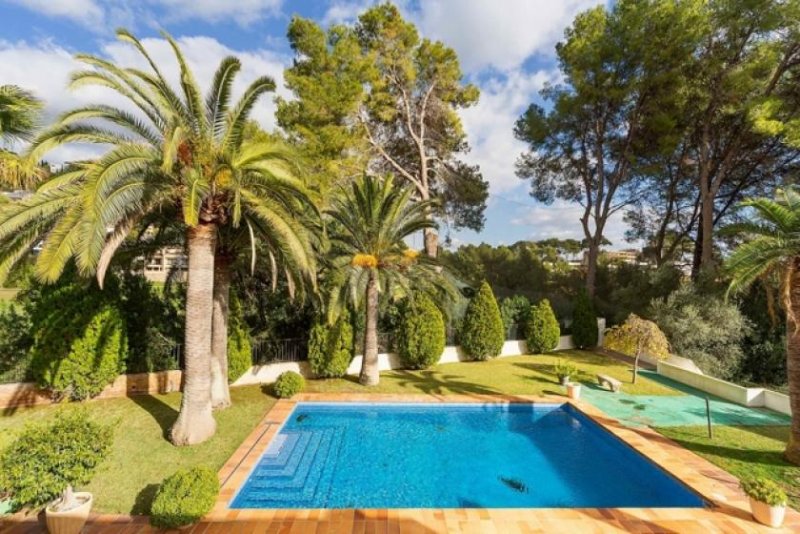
x,y
687,407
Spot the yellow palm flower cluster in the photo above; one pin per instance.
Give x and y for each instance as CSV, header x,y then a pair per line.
x,y
367,261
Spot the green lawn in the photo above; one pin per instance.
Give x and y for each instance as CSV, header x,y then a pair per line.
x,y
515,375
141,456
744,451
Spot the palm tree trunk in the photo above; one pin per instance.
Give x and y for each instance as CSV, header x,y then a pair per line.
x,y
195,422
220,393
792,452
431,239
369,365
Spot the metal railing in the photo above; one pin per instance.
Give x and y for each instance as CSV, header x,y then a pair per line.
x,y
279,350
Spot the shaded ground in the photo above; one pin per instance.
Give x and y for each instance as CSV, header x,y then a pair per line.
x,y
141,456
744,451
685,407
515,375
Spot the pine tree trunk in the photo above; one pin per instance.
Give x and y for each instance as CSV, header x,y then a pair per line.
x,y
220,393
707,225
792,452
195,422
370,375
591,267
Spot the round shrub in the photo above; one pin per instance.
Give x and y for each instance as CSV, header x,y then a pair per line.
x,y
482,331
46,458
330,348
184,497
240,352
421,335
542,328
79,355
288,385
584,322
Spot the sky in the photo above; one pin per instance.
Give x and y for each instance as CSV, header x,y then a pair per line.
x,y
506,47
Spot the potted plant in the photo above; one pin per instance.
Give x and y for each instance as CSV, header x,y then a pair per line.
x,y
564,370
767,500
68,513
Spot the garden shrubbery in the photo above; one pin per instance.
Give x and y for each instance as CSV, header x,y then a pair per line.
x,y
330,347
288,385
421,334
514,311
542,328
46,458
482,331
80,344
584,322
240,352
184,497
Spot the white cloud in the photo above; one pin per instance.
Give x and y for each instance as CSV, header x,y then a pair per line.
x,y
86,12
499,34
44,68
562,220
489,124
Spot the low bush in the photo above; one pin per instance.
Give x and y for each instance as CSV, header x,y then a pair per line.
x,y
240,352
764,490
584,322
482,331
288,385
46,458
543,332
330,347
77,356
421,336
184,497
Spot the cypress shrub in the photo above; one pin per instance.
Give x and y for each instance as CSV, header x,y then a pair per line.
x,y
542,328
482,331
584,322
184,497
46,458
330,347
240,354
421,334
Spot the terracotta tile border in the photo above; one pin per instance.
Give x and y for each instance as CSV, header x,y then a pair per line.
x,y
728,511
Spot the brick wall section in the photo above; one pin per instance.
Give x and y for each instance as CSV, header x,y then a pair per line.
x,y
27,394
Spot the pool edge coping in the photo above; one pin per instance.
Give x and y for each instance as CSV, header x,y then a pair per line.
x,y
715,486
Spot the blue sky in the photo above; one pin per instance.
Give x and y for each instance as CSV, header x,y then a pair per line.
x,y
505,47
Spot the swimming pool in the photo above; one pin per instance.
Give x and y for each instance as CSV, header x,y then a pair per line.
x,y
346,455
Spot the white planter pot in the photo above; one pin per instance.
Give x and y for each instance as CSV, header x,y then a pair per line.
x,y
574,390
69,521
766,514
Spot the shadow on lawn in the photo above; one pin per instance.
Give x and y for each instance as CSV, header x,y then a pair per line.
x,y
702,445
144,499
164,414
434,383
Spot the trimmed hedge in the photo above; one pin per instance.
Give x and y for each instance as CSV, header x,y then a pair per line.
x,y
288,385
184,497
421,334
240,352
78,355
330,348
482,331
542,329
584,322
46,458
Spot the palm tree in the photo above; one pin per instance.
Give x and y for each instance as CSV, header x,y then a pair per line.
x,y
19,117
177,150
772,247
369,224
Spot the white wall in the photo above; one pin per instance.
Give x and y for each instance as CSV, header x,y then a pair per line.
x,y
754,397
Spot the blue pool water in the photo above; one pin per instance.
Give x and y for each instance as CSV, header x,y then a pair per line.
x,y
452,456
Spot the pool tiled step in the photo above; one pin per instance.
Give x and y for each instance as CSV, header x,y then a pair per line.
x,y
295,473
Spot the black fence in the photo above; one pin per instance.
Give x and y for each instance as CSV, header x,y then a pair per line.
x,y
279,350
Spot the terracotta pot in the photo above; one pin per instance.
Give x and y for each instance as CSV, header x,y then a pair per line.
x,y
766,514
69,521
574,390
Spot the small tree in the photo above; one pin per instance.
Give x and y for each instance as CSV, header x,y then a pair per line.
x,y
421,335
330,347
584,322
542,328
637,336
482,332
